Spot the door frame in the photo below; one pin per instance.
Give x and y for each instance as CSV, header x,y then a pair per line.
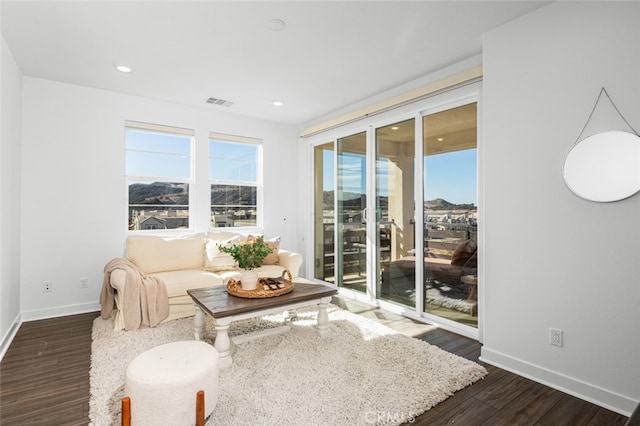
x,y
452,98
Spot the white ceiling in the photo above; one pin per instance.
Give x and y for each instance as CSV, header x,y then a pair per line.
x,y
330,55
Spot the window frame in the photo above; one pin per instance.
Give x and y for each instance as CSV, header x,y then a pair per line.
x,y
258,184
190,181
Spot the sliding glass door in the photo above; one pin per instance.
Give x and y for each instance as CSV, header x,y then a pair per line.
x,y
395,206
351,233
324,213
395,212
339,204
450,214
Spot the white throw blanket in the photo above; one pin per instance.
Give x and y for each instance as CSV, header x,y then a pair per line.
x,y
145,299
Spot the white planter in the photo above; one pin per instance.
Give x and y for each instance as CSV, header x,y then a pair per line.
x,y
248,279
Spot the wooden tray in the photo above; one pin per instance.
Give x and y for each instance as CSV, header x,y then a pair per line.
x,y
267,287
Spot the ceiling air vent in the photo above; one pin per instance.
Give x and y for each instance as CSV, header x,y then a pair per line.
x,y
221,102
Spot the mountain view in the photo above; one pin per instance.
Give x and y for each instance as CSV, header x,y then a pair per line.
x,y
178,194
354,201
164,193
159,193
440,204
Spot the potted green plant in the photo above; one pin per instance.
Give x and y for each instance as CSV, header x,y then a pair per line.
x,y
248,255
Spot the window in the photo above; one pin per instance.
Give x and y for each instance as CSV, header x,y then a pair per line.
x,y
235,176
159,176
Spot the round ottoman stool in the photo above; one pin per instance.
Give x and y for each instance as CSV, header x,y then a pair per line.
x,y
163,382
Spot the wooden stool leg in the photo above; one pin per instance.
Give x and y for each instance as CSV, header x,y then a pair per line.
x,y
126,411
200,408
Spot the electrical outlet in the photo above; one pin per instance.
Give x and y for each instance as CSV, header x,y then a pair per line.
x,y
84,282
47,286
555,337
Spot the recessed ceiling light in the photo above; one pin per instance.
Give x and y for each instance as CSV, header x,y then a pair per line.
x,y
395,128
276,24
123,68
277,103
440,139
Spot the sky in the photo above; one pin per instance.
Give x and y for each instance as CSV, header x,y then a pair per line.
x,y
452,176
168,156
157,154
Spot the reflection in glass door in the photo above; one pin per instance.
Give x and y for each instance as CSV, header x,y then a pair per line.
x,y
395,159
351,235
450,214
324,214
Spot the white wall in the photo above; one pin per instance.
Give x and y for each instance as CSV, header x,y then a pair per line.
x,y
74,193
549,258
552,259
10,116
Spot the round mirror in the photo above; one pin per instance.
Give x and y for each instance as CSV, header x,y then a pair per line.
x,y
604,167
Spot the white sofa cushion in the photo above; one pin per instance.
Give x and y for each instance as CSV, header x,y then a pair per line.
x,y
225,235
157,254
216,260
271,271
178,282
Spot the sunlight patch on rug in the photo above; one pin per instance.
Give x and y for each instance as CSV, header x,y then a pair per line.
x,y
361,373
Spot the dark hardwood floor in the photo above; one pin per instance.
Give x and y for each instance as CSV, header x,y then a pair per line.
x,y
504,398
44,376
44,380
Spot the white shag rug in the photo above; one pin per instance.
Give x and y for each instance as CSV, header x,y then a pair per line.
x,y
361,373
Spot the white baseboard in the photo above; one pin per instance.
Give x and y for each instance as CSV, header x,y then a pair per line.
x,y
8,337
60,311
603,397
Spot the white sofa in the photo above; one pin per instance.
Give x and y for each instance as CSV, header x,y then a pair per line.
x,y
190,262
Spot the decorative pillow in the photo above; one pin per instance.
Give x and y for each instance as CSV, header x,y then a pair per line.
x,y
215,260
472,262
463,252
224,235
251,237
272,258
